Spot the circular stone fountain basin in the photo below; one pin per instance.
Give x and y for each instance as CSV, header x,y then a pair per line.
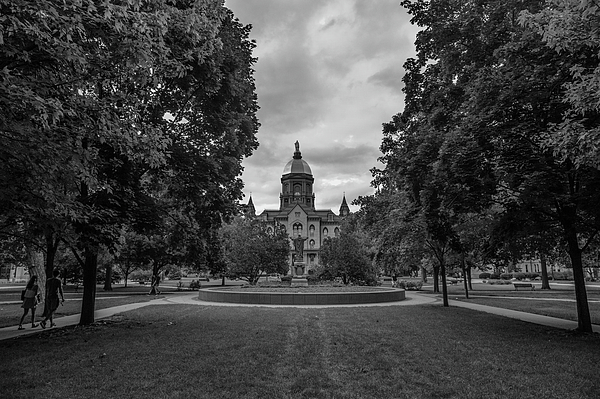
x,y
303,296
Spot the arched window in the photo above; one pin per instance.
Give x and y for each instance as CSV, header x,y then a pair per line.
x,y
311,229
311,259
297,189
297,229
270,230
311,243
336,232
325,232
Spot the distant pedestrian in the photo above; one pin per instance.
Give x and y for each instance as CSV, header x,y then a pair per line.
x,y
53,289
30,301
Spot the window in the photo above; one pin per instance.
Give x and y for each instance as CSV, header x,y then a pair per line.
x,y
297,214
330,217
311,243
297,229
297,189
311,259
270,231
311,229
325,232
336,232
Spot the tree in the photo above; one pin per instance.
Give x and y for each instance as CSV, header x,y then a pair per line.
x,y
348,257
103,94
251,247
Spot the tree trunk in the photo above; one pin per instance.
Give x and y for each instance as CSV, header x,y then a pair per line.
x,y
51,249
436,276
89,286
584,321
464,270
223,280
543,264
469,276
423,275
108,279
444,286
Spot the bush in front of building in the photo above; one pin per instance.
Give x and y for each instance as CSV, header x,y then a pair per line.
x,y
499,282
408,285
566,275
484,276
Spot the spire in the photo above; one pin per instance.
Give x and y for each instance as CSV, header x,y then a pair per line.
x,y
344,208
297,153
250,207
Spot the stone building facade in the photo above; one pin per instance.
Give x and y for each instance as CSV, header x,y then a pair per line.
x,y
297,213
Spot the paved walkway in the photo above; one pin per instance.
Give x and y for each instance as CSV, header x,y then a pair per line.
x,y
412,298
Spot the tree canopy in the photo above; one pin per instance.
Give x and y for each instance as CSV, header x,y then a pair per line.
x,y
121,114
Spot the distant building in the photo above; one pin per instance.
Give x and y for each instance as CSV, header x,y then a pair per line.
x,y
297,213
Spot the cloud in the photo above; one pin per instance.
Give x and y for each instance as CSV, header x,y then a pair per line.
x,y
390,78
328,75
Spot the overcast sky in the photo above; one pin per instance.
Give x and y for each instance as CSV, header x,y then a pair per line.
x,y
329,73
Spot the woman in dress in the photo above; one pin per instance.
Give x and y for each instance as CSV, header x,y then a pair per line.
x,y
30,301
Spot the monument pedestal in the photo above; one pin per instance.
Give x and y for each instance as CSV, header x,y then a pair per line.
x,y
298,278
298,281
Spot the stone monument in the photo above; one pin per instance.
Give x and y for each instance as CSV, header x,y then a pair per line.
x,y
299,267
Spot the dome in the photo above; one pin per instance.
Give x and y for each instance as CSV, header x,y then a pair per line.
x,y
297,166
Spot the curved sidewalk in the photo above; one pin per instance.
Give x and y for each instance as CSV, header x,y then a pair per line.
x,y
412,298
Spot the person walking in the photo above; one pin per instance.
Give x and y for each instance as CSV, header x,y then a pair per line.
x,y
53,288
30,301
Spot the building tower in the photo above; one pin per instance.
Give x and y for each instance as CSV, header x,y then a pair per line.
x,y
297,183
344,208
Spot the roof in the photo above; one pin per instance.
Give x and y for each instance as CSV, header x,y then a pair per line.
x,y
297,166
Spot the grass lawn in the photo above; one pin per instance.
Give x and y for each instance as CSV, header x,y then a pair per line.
x,y
184,351
545,303
557,302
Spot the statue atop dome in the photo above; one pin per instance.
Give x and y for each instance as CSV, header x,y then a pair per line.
x,y
297,153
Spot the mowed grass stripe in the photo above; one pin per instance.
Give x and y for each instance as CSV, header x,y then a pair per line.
x,y
175,351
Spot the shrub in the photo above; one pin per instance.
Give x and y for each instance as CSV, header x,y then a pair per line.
x,y
195,285
408,285
506,276
519,276
313,280
499,282
494,276
484,276
566,275
287,278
